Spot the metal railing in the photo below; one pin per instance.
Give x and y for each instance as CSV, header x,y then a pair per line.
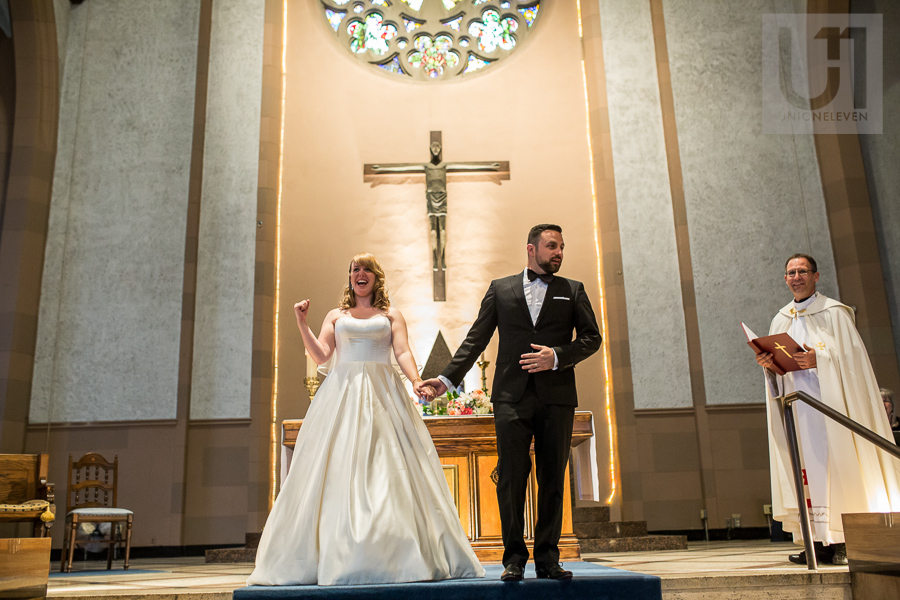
x,y
790,427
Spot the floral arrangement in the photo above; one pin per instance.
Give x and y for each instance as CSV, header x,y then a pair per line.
x,y
456,404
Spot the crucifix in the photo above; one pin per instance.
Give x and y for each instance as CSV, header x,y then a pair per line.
x,y
436,173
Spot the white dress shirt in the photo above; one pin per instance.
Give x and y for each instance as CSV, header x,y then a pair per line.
x,y
535,292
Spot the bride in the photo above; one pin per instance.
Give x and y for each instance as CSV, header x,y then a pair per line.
x,y
366,500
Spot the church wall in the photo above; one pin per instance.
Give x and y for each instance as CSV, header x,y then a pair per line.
x,y
225,261
341,115
656,330
881,155
111,309
61,10
732,179
752,199
30,105
112,294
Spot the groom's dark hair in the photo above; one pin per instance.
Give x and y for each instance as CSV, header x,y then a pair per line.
x,y
535,234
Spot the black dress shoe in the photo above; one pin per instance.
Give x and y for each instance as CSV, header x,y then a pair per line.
x,y
824,555
553,572
513,572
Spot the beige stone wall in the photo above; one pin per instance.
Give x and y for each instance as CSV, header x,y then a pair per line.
x,y
528,110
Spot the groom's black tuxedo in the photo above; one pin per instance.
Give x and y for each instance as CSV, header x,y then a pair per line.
x,y
566,309
539,405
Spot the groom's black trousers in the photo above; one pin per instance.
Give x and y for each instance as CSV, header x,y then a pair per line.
x,y
551,427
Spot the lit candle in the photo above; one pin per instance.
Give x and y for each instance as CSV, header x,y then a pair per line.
x,y
311,367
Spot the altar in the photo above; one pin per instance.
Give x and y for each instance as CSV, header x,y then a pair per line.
x,y
467,447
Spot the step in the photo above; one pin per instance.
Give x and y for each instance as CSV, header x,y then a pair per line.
x,y
619,529
590,514
231,555
644,543
795,586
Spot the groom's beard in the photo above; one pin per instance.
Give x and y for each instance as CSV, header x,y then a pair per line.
x,y
549,266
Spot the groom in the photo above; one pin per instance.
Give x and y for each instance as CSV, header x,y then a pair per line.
x,y
534,391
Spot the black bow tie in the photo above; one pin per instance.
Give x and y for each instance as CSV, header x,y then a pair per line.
x,y
545,277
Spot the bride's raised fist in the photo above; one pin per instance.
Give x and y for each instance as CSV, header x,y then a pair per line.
x,y
301,309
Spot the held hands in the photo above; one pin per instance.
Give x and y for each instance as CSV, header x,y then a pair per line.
x,y
542,360
436,386
806,360
423,390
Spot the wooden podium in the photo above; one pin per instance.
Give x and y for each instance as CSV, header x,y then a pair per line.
x,y
467,447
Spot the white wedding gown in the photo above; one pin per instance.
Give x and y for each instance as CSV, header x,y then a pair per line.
x,y
366,500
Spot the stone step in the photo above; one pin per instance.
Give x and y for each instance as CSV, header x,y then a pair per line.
x,y
590,514
619,529
231,555
760,586
644,543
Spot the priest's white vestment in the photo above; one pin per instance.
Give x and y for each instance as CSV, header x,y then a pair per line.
x,y
843,472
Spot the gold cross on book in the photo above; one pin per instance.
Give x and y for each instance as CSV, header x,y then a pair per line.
x,y
782,348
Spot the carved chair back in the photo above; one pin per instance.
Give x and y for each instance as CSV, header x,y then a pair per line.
x,y
93,482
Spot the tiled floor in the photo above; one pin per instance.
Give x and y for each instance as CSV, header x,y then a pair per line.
x,y
703,568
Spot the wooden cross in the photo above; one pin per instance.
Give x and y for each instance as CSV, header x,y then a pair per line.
x,y
435,174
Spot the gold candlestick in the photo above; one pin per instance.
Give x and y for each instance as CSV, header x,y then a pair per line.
x,y
312,385
483,365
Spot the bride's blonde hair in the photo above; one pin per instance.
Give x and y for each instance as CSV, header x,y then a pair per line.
x,y
379,290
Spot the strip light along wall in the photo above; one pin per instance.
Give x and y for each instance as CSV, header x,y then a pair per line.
x,y
273,426
603,317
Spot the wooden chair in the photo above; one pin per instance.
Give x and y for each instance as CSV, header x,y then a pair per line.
x,y
92,497
25,494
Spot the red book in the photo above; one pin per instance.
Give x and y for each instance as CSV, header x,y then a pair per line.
x,y
781,346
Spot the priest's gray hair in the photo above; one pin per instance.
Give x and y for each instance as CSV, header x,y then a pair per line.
x,y
887,395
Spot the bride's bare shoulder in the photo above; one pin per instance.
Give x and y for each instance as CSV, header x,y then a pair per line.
x,y
394,314
334,314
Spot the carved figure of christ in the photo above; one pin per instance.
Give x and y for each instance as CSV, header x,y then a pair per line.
x,y
436,172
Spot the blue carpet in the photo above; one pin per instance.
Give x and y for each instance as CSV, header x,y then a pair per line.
x,y
96,572
591,581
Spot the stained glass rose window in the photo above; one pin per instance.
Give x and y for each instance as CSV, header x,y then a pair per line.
x,y
430,40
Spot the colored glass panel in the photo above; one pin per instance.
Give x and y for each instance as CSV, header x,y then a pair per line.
x,y
414,4
529,13
450,4
392,66
334,18
372,34
474,63
464,42
453,23
380,2
493,32
358,8
432,55
411,24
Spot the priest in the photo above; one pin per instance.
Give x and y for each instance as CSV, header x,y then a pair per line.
x,y
842,473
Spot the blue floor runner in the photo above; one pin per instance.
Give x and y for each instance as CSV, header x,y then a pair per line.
x,y
591,581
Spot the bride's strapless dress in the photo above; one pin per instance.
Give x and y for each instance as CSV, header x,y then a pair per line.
x,y
366,500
